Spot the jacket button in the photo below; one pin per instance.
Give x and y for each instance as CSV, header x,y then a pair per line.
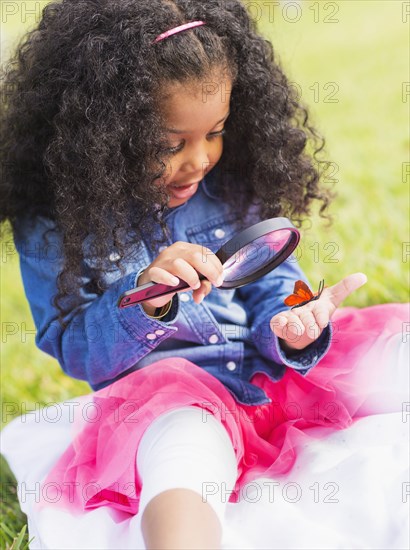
x,y
231,365
162,248
160,332
114,256
219,233
213,339
151,336
184,297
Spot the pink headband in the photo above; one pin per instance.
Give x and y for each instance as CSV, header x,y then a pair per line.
x,y
176,30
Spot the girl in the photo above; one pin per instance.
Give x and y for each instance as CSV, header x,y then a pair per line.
x,y
138,138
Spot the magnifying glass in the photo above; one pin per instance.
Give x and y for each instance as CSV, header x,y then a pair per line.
x,y
245,258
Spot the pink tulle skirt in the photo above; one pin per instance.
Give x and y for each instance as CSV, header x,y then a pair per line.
x,y
99,467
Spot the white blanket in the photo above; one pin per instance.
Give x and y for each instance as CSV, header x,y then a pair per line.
x,y
349,489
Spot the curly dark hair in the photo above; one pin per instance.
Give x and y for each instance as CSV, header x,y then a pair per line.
x,y
81,133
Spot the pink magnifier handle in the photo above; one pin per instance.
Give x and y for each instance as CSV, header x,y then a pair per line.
x,y
150,290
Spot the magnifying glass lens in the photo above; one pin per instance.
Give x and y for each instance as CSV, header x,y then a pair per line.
x,y
249,255
255,255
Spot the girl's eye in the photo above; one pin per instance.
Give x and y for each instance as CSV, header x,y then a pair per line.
x,y
216,134
175,150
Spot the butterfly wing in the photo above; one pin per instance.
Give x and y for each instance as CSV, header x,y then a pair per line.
x,y
301,293
292,299
303,290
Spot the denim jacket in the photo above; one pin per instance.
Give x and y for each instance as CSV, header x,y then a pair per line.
x,y
228,334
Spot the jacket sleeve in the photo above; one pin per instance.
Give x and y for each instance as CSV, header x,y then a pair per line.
x,y
101,341
263,299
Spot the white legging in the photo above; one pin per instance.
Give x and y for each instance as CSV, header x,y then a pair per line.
x,y
186,448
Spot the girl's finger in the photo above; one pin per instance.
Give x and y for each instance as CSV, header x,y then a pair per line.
x,y
322,316
185,271
160,275
278,322
207,263
311,327
341,290
202,292
294,328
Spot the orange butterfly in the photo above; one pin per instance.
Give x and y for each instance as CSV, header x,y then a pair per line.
x,y
303,295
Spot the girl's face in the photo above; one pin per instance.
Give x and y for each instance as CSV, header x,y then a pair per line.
x,y
194,119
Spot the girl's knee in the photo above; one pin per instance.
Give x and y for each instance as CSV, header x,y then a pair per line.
x,y
189,430
186,449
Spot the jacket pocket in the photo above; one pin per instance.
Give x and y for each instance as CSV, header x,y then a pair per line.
x,y
215,232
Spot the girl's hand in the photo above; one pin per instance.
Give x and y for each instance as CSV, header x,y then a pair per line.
x,y
299,327
183,260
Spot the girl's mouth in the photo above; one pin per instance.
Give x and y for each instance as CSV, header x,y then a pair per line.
x,y
183,191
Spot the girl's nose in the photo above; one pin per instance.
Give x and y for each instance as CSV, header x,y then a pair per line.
x,y
196,160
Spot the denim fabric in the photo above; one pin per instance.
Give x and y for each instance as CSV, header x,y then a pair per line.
x,y
228,334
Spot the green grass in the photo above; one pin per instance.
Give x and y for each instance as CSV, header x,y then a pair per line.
x,y
365,55
13,528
